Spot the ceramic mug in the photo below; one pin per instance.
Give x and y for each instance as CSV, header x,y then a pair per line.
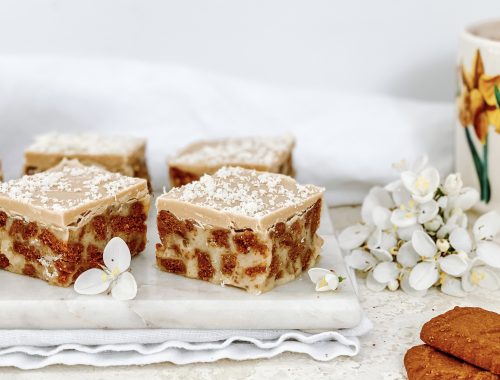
x,y
478,111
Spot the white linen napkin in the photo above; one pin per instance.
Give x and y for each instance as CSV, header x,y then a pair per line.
x,y
31,349
346,142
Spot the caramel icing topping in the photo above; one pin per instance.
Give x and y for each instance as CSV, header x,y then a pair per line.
x,y
68,193
255,152
240,198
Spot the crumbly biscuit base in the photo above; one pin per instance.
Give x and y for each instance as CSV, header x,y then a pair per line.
x,y
254,261
38,250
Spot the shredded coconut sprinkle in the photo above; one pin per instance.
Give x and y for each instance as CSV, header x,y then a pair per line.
x,y
245,192
69,185
85,143
249,151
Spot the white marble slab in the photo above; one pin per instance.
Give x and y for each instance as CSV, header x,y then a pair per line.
x,y
168,301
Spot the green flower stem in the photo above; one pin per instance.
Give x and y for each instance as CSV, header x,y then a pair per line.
x,y
477,163
485,179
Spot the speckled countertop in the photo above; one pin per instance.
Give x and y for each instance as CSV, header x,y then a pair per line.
x,y
397,320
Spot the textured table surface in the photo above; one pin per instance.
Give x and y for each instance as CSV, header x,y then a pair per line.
x,y
397,318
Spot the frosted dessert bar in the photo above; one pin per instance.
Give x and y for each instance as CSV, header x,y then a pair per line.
x,y
118,154
270,154
239,227
55,225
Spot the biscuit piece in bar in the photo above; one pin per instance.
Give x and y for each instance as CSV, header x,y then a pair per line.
x,y
270,154
118,154
239,227
426,363
469,333
55,224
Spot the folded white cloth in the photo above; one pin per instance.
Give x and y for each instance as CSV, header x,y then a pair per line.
x,y
30,349
345,142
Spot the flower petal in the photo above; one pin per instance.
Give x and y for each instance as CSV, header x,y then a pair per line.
x,y
423,275
381,254
453,287
485,278
465,200
373,284
359,259
316,274
403,218
489,252
386,272
381,217
487,226
354,236
92,281
124,287
460,240
116,255
333,281
375,239
377,196
453,265
400,195
405,286
423,244
407,256
428,211
419,164
405,233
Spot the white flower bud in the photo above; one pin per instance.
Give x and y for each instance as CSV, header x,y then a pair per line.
x,y
453,184
434,224
393,285
443,245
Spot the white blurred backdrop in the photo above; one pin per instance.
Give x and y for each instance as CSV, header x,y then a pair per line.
x,y
334,73
397,47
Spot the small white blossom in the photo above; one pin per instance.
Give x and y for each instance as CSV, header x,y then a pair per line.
x,y
324,279
114,274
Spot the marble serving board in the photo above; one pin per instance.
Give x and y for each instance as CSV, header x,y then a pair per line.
x,y
165,300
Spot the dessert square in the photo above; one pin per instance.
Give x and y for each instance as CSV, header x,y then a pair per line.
x,y
240,227
118,154
55,224
270,154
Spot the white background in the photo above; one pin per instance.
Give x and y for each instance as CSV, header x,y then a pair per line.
x,y
403,48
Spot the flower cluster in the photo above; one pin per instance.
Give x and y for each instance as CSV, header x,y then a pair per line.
x,y
414,236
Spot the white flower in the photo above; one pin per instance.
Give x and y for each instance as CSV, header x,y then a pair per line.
x,y
354,236
425,273
478,274
412,212
486,227
114,274
456,219
384,274
466,198
422,185
324,279
453,184
376,201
